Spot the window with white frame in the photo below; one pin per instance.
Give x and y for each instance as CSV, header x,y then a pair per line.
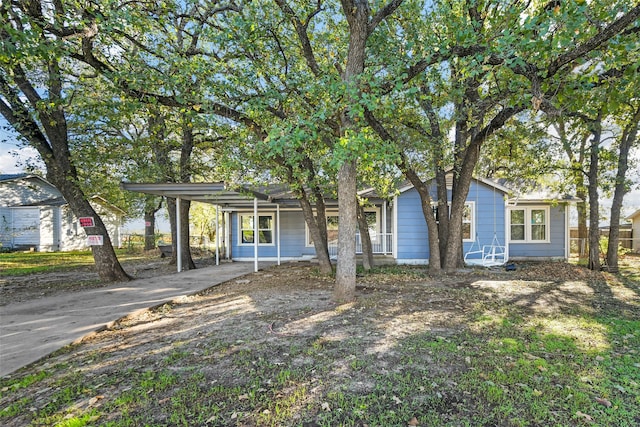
x,y
247,229
468,220
529,224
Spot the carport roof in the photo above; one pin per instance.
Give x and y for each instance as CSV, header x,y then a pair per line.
x,y
217,193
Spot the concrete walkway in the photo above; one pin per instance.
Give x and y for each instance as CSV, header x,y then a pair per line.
x,y
34,329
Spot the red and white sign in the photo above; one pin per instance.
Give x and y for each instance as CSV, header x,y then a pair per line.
x,y
147,223
95,240
86,221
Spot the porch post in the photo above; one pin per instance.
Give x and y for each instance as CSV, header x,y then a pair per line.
x,y
256,237
394,227
178,236
507,232
278,231
217,235
384,227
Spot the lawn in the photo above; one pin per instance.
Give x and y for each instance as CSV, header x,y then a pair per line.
x,y
548,345
23,263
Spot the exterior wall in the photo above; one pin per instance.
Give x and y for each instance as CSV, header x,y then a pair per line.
x,y
635,234
5,228
292,238
412,235
48,232
554,249
46,227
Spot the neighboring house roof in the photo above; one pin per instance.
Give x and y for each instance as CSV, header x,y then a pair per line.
x,y
13,176
53,201
634,215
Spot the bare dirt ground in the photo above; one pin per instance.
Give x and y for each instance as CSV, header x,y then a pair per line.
x,y
284,317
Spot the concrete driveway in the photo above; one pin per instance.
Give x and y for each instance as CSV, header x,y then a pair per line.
x,y
31,330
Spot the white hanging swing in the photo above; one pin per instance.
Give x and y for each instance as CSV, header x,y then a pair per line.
x,y
492,255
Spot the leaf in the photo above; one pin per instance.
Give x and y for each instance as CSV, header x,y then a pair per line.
x,y
326,407
586,417
604,402
396,400
413,422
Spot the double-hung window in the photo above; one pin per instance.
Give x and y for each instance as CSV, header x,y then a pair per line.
x,y
247,229
529,224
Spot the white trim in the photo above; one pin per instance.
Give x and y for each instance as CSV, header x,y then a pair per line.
x,y
178,236
256,233
384,228
394,226
239,231
527,223
567,233
278,232
412,261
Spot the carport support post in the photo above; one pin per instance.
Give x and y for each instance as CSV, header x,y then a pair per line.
x,y
256,236
178,236
217,235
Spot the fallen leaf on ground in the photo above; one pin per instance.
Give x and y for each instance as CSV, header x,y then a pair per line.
x,y
604,402
413,421
586,417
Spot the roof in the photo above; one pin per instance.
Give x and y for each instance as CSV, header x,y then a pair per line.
x,y
407,185
634,215
217,193
13,176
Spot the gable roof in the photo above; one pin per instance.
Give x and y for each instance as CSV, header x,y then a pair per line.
x,y
634,215
16,176
407,185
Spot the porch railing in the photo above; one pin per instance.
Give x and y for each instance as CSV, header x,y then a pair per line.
x,y
381,244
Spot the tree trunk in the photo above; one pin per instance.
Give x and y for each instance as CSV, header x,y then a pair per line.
x,y
626,142
367,250
150,222
316,226
50,137
357,14
452,256
594,206
345,287
106,262
435,263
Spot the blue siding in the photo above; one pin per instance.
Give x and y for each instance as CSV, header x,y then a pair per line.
x,y
554,249
489,215
292,237
412,235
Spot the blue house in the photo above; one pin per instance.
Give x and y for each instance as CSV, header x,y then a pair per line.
x,y
496,228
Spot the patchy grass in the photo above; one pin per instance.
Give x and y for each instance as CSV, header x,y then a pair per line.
x,y
23,263
548,345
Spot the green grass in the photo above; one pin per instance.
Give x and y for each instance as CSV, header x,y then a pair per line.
x,y
23,263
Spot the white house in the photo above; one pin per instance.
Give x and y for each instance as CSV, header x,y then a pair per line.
x,y
34,215
635,230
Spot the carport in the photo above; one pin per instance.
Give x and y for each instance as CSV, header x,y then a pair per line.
x,y
223,197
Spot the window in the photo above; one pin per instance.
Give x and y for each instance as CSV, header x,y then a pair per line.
x,y
468,223
265,229
529,224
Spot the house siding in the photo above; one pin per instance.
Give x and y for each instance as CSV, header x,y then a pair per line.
x,y
31,216
554,249
292,237
412,233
